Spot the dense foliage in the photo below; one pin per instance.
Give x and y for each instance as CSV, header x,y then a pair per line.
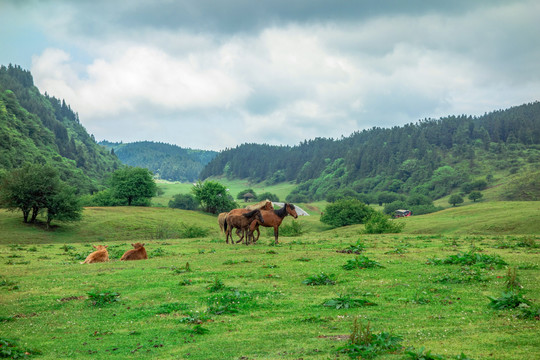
x,y
430,157
37,128
166,161
32,189
133,185
213,197
346,211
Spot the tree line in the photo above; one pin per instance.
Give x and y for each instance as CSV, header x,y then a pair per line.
x,y
430,157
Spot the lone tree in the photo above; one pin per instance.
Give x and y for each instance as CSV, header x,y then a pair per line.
x,y
133,184
455,199
475,195
35,188
213,197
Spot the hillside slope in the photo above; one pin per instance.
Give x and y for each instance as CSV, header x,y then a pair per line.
x,y
166,161
431,157
43,129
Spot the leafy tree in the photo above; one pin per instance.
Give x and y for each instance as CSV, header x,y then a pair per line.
x,y
184,201
346,212
28,189
213,197
475,195
269,196
64,206
133,184
455,199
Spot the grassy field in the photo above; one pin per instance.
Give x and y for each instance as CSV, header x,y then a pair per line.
x,y
199,298
235,186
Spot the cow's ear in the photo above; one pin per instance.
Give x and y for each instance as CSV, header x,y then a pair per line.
x,y
132,245
94,246
143,244
106,246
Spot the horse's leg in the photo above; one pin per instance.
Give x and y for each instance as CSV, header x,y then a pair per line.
x,y
238,233
258,234
276,233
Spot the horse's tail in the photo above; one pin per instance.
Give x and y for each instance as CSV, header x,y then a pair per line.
x,y
225,226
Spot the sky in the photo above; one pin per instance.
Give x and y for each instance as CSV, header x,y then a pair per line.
x,y
215,74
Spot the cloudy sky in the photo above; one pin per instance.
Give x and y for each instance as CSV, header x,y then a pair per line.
x,y
214,74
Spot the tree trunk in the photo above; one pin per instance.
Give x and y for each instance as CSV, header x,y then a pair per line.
x,y
35,211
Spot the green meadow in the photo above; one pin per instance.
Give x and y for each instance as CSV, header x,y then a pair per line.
x,y
199,298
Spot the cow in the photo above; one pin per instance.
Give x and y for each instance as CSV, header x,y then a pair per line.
x,y
138,253
100,255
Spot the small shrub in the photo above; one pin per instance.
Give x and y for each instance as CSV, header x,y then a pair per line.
x,y
199,330
529,312
354,249
217,285
320,279
511,280
528,266
346,211
346,302
364,344
422,354
379,223
102,298
295,228
190,231
508,300
361,262
157,252
67,248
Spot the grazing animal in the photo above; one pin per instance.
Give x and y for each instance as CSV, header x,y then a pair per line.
x,y
272,218
241,222
262,205
221,220
138,253
100,255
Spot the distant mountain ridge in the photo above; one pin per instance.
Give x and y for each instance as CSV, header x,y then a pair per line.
x,y
43,129
166,161
430,157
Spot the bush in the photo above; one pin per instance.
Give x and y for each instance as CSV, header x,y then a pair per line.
x,y
379,223
184,202
320,279
346,212
295,228
361,262
269,196
101,298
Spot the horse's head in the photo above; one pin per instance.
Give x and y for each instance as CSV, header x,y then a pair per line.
x,y
268,205
291,210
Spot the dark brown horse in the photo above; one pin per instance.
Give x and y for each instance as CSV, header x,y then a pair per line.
x,y
272,218
262,205
241,222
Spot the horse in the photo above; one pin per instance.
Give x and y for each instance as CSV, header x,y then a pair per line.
x,y
242,222
261,205
221,220
272,218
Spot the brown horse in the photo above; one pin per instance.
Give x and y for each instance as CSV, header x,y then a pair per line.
x,y
272,218
242,222
262,205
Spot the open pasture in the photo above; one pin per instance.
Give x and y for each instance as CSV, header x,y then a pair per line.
x,y
199,298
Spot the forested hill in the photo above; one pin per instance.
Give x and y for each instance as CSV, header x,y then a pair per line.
x,y
430,157
169,162
43,129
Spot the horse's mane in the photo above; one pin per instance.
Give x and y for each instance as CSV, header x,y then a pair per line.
x,y
251,213
283,211
258,205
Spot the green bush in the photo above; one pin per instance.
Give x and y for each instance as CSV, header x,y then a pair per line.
x,y
101,298
379,223
346,212
320,279
295,228
361,262
184,202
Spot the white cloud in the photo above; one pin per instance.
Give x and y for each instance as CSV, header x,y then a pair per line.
x,y
296,80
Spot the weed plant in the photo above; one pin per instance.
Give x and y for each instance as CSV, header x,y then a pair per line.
x,y
364,344
292,229
508,300
346,302
102,298
354,248
11,350
361,262
320,279
465,275
230,302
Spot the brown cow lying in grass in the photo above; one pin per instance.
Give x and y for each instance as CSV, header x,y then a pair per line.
x,y
100,255
139,253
